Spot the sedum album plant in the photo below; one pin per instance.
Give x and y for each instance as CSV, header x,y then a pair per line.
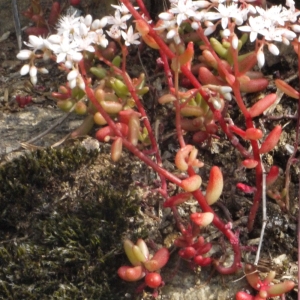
x,y
201,90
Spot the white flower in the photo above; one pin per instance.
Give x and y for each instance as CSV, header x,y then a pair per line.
x,y
184,9
227,12
68,25
130,37
118,21
100,38
256,25
35,42
66,48
114,32
271,15
122,8
84,44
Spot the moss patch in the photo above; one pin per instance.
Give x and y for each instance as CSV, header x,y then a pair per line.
x,y
63,214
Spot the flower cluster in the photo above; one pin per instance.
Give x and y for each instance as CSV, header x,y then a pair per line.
x,y
76,35
274,24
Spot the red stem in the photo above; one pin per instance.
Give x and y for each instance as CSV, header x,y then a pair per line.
x,y
198,195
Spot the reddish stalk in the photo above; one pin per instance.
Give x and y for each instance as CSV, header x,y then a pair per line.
x,y
198,195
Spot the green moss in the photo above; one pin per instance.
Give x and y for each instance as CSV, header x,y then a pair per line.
x,y
63,214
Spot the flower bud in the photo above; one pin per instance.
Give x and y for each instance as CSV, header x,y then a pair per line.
x,y
24,54
260,58
72,75
25,70
273,49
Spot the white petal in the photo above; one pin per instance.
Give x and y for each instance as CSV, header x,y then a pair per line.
x,y
72,75
171,34
209,30
43,70
77,56
88,20
295,27
260,58
95,25
166,16
54,38
103,22
33,80
81,83
235,42
253,36
72,83
35,41
195,25
33,71
24,54
227,96
225,89
61,57
273,49
24,70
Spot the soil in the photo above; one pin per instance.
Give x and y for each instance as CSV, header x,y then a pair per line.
x,y
53,188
